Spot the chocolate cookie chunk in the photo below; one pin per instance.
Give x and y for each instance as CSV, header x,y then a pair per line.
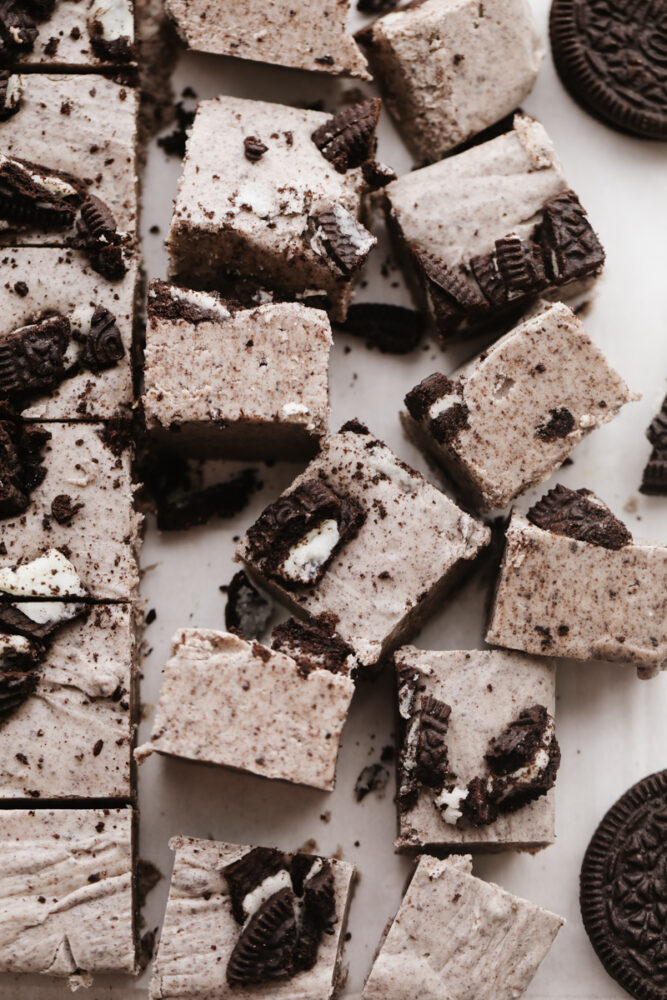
x,y
580,515
610,54
623,889
654,479
348,139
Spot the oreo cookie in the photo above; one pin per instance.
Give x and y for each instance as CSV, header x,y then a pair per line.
x,y
623,889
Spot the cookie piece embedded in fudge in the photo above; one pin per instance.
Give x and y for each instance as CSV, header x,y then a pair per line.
x,y
489,231
545,383
378,583
480,940
479,752
290,218
258,919
449,71
573,583
654,478
45,34
228,701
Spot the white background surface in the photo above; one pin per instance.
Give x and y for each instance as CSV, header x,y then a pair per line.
x,y
611,726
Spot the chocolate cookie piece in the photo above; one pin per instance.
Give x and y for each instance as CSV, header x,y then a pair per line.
x,y
21,468
341,239
622,889
654,479
348,139
34,357
580,515
313,646
439,402
610,56
248,612
394,329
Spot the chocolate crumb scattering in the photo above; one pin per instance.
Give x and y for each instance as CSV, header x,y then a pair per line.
x,y
393,329
175,143
221,500
348,139
654,478
373,778
579,515
313,646
254,148
248,611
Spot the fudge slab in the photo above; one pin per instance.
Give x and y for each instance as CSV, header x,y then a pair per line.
x,y
101,539
82,125
200,931
378,586
64,39
310,36
563,597
449,69
486,692
258,217
507,420
458,937
72,736
235,384
41,280
227,701
66,900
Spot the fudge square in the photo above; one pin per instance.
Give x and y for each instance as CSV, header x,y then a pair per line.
x,y
487,232
227,701
544,383
456,937
310,36
449,69
574,583
80,125
252,383
228,905
285,208
66,899
81,367
70,492
66,692
479,752
63,34
363,543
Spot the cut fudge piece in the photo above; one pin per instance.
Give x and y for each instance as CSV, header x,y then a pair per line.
x,y
544,383
309,36
363,543
228,701
459,937
66,906
486,232
77,501
245,921
479,751
65,701
574,583
76,369
222,382
285,209
451,68
66,33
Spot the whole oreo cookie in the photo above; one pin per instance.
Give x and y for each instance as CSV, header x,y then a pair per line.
x,y
612,57
624,889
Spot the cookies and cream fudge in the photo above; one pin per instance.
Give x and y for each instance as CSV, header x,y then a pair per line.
x,y
223,381
285,209
479,750
459,937
251,921
487,232
63,34
310,36
362,542
228,701
66,899
574,583
449,69
69,492
545,383
66,691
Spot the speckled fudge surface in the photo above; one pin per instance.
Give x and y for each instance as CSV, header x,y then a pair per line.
x,y
509,419
66,906
380,584
259,216
71,737
227,701
101,537
200,932
486,691
40,280
451,68
309,36
82,125
460,937
81,34
252,383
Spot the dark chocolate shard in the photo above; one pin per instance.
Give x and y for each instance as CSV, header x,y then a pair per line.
x,y
394,329
221,500
35,195
560,424
21,468
314,646
348,139
451,418
98,236
18,30
103,344
579,515
342,239
34,358
10,94
432,754
248,611
170,302
254,148
63,509
244,875
265,950
570,246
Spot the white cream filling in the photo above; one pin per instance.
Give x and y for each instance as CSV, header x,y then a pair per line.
x,y
294,410
48,575
254,900
357,235
444,404
54,185
258,198
48,612
14,92
205,301
81,319
306,558
381,460
449,802
13,645
115,17
529,772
